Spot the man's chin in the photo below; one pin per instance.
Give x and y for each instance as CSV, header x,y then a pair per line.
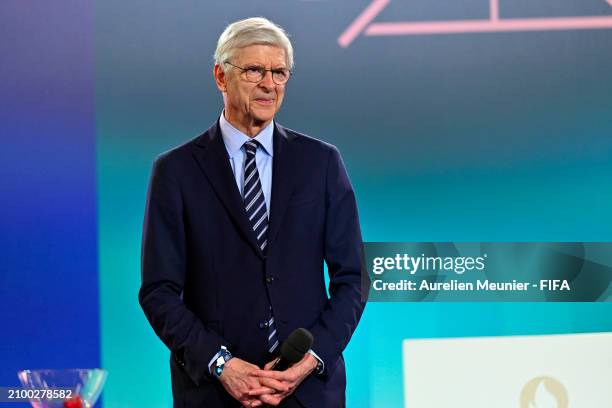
x,y
262,119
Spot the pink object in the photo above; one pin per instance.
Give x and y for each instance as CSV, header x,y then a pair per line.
x,y
494,9
493,24
363,20
475,26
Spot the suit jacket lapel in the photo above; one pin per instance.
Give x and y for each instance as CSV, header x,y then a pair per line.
x,y
282,182
214,162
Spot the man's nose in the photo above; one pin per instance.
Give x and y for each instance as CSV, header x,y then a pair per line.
x,y
267,81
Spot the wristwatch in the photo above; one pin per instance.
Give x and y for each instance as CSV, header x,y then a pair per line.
x,y
319,368
223,357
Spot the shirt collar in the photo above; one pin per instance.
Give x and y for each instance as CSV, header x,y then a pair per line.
x,y
234,139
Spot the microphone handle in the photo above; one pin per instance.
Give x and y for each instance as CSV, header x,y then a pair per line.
x,y
281,365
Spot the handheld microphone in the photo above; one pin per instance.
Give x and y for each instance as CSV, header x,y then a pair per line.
x,y
293,349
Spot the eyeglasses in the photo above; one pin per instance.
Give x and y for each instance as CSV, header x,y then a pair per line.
x,y
257,73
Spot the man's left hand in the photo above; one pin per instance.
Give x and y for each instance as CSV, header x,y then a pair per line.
x,y
291,378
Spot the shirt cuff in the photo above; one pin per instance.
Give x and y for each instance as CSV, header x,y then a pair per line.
x,y
320,369
212,361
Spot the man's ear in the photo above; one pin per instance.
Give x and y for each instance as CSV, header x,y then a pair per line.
x,y
220,78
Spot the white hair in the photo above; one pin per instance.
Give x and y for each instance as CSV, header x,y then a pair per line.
x,y
252,31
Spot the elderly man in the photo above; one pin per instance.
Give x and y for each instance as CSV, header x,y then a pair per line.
x,y
238,224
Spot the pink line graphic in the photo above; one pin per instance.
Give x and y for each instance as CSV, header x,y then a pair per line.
x,y
363,24
494,9
362,21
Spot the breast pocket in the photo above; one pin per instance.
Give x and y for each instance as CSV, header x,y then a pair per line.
x,y
304,198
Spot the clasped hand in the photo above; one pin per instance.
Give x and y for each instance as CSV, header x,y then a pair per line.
x,y
254,387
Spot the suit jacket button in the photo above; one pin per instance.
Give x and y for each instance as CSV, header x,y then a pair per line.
x,y
262,325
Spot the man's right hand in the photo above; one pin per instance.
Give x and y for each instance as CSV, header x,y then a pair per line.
x,y
238,379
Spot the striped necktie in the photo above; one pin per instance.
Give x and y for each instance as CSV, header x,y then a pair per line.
x,y
255,206
254,200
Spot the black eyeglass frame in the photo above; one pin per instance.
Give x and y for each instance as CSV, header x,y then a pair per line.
x,y
262,71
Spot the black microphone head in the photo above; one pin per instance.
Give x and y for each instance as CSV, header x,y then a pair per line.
x,y
297,344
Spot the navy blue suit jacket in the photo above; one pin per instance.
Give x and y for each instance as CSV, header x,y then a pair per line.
x,y
205,282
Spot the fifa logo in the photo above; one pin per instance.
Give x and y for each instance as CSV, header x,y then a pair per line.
x,y
544,392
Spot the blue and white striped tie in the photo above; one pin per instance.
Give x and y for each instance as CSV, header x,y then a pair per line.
x,y
254,201
272,336
255,206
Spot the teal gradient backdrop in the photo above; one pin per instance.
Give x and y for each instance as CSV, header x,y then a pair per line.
x,y
471,137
